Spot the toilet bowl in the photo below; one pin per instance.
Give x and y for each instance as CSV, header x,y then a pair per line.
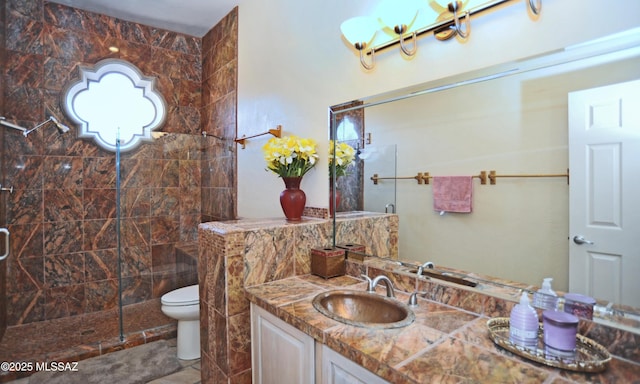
x,y
183,304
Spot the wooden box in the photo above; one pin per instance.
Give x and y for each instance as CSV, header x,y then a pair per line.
x,y
354,251
328,262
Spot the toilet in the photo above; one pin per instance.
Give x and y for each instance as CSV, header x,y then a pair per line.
x,y
183,304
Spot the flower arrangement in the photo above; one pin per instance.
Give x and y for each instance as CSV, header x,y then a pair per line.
x,y
290,156
344,155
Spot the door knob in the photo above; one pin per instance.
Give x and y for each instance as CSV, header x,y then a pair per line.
x,y
581,240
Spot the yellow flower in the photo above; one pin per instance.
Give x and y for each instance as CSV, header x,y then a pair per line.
x,y
344,156
290,156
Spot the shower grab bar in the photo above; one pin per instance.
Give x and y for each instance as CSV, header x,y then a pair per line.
x,y
6,243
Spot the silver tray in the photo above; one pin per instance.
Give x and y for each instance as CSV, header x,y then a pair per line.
x,y
589,356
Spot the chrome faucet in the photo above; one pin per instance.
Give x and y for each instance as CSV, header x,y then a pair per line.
x,y
390,205
371,284
428,264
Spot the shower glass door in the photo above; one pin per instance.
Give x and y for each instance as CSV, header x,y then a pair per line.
x,y
4,241
158,198
380,160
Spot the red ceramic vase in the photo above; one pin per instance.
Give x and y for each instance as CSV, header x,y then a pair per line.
x,y
293,199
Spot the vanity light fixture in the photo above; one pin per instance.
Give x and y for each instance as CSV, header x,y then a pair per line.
x,y
361,30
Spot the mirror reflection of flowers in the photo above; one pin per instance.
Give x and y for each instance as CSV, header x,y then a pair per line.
x,y
290,156
345,154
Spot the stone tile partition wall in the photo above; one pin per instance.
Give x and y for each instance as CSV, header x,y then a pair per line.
x,y
218,114
62,271
236,254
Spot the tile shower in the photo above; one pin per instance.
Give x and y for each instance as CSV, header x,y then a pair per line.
x,y
62,284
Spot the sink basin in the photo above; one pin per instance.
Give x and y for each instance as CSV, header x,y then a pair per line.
x,y
363,309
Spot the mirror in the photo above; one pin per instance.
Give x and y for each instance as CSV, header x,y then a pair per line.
x,y
511,118
113,101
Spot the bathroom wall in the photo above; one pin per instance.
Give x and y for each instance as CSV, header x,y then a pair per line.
x,y
294,64
219,100
62,213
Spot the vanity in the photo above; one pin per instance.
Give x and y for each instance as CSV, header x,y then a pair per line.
x,y
256,274
445,342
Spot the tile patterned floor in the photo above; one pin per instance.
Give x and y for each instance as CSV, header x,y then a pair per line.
x,y
189,374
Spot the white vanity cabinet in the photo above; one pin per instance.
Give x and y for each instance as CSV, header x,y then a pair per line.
x,y
282,354
337,369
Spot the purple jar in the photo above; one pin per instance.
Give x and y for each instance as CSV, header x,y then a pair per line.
x,y
560,330
579,305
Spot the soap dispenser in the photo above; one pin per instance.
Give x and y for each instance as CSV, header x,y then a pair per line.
x,y
523,324
545,297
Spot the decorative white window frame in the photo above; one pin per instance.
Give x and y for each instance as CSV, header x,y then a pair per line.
x,y
114,118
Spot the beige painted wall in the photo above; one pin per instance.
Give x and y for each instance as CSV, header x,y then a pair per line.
x,y
293,65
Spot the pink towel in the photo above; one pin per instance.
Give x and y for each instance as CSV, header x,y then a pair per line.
x,y
452,193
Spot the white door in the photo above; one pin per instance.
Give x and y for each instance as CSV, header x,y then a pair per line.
x,y
604,222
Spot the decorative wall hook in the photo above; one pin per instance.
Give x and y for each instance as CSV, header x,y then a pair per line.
x,y
277,132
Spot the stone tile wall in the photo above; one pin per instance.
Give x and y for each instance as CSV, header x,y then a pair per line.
x,y
236,254
218,111
62,213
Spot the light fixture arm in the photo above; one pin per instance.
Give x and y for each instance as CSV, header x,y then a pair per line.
x,y
536,6
276,132
454,7
400,30
361,47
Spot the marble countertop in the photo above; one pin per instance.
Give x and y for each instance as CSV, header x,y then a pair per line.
x,y
444,344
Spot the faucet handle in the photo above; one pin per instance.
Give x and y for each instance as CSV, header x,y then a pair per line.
x,y
413,299
369,283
